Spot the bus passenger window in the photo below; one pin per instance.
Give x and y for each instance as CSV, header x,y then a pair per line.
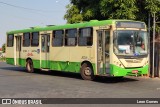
x,y
35,39
10,40
85,37
71,37
26,39
57,39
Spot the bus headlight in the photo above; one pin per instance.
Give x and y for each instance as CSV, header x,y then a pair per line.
x,y
118,64
146,63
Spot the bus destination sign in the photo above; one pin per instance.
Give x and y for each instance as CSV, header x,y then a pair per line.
x,y
126,24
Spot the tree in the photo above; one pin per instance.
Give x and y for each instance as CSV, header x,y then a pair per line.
x,y
147,7
84,10
118,9
73,14
154,6
4,48
101,9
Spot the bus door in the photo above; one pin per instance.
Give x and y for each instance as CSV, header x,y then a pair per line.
x,y
18,50
103,52
45,49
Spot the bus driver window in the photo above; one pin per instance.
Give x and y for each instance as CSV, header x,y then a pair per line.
x,y
140,46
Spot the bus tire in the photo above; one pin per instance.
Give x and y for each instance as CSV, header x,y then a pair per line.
x,y
87,72
29,66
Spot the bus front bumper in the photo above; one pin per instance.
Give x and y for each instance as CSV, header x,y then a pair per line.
x,y
118,71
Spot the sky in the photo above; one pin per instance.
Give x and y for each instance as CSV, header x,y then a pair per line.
x,y
22,14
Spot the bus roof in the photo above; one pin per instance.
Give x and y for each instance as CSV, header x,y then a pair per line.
x,y
67,26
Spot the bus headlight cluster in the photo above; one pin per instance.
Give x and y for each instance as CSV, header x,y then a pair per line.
x,y
146,63
118,64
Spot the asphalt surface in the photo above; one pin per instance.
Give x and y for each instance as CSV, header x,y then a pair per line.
x,y
15,82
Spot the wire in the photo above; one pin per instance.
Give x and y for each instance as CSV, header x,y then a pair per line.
x,y
24,7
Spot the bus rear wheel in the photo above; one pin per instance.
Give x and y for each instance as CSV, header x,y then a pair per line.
x,y
87,72
29,66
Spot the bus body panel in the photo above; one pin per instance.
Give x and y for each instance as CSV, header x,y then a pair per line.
x,y
10,55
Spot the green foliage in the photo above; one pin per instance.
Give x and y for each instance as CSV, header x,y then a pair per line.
x,y
100,9
152,5
73,14
4,48
118,9
84,10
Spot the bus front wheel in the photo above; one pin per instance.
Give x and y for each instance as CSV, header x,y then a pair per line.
x,y
87,72
29,66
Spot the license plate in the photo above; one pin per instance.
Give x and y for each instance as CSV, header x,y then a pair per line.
x,y
135,71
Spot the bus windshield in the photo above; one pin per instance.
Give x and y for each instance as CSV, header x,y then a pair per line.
x,y
131,43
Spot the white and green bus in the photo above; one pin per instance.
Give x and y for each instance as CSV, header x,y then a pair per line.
x,y
96,48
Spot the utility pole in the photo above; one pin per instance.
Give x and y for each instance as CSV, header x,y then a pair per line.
x,y
149,31
154,27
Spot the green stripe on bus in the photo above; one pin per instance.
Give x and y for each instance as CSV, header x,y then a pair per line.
x,y
53,65
75,67
10,61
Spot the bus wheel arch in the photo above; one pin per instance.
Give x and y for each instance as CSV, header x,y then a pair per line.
x,y
29,65
86,71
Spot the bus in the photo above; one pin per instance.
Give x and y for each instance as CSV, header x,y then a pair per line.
x,y
114,48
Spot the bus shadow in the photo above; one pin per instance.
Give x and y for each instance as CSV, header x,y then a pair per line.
x,y
72,75
60,74
114,79
19,69
40,72
78,76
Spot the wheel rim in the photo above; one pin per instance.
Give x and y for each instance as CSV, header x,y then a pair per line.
x,y
87,71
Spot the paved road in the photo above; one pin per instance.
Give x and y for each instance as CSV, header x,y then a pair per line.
x,y
16,83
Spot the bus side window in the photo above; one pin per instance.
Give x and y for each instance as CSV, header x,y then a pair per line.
x,y
10,40
35,39
57,38
85,37
26,39
71,37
